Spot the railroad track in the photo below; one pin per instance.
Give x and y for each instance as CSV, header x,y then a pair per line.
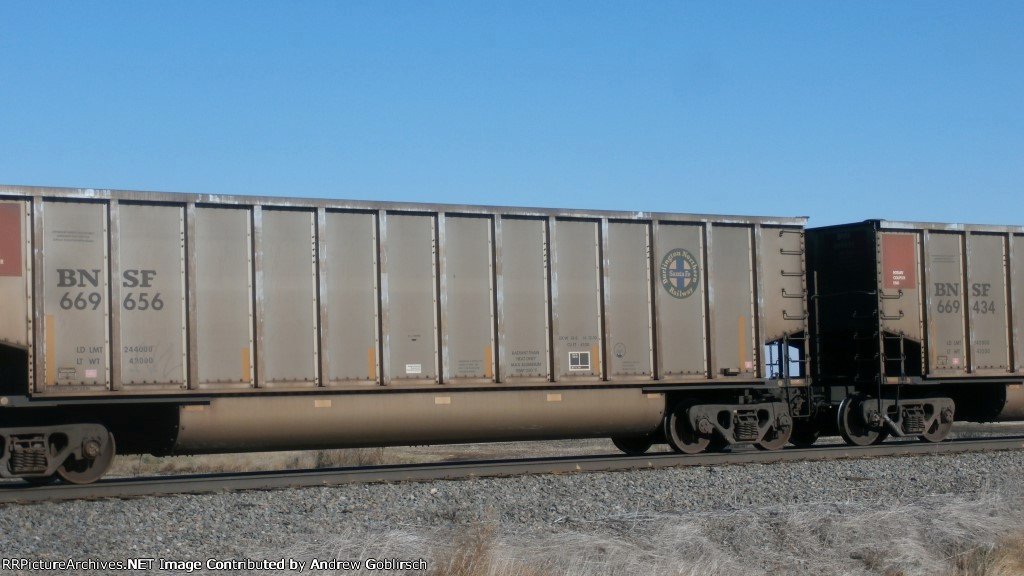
x,y
20,492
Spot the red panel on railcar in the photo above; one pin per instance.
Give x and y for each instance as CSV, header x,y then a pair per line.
x,y
10,239
899,261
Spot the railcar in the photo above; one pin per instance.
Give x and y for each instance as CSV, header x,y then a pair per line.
x,y
914,325
163,323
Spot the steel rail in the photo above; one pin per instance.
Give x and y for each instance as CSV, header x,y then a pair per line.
x,y
20,492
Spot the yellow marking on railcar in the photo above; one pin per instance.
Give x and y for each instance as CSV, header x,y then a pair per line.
x,y
51,351
442,400
653,396
488,369
322,403
595,363
246,366
371,363
554,397
194,408
743,343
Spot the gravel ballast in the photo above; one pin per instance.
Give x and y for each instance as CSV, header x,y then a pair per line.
x,y
431,518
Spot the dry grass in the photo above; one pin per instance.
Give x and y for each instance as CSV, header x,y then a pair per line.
x,y
1004,559
944,536
473,552
1008,558
937,536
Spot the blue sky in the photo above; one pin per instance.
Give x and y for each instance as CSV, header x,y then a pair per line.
x,y
840,111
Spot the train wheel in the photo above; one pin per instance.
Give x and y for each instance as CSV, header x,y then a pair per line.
x,y
680,435
633,445
86,471
938,431
775,438
804,434
853,428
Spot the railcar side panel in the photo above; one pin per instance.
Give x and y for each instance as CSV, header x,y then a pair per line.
x,y
224,297
75,303
410,295
351,283
732,299
945,309
899,296
468,294
15,273
1017,293
524,307
943,305
986,303
784,302
577,299
290,305
628,312
151,259
235,295
679,289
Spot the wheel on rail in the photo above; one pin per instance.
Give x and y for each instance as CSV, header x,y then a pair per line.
x,y
852,427
88,470
776,438
804,434
633,445
938,431
680,434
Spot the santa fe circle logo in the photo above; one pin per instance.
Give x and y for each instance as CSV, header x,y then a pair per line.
x,y
679,273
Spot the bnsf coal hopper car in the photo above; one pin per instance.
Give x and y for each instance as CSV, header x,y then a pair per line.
x,y
168,324
915,325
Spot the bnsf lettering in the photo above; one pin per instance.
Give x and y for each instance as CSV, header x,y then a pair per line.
x,y
947,296
138,278
140,300
983,304
77,278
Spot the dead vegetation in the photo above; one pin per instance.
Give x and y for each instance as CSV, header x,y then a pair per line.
x,y
937,536
1004,559
942,535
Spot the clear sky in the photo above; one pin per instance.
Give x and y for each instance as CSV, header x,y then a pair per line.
x,y
840,111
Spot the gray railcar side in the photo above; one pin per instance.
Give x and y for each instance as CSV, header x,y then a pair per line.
x,y
205,316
